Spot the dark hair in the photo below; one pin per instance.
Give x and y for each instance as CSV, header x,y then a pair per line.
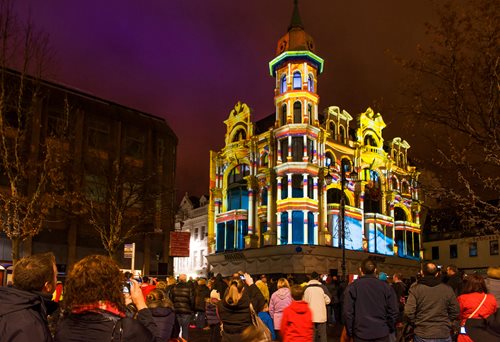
x,y
475,283
368,266
94,278
297,292
315,275
31,273
430,269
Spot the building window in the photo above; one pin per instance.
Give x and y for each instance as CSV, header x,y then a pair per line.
x,y
342,134
297,80
310,83
435,253
333,130
98,134
134,143
297,112
57,124
203,232
196,234
309,113
283,115
473,249
493,247
283,83
453,252
297,149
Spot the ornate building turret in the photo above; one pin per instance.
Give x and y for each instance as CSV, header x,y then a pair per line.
x,y
287,182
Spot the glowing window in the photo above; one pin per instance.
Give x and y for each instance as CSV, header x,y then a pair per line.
x,y
342,134
297,80
309,112
283,115
283,83
310,83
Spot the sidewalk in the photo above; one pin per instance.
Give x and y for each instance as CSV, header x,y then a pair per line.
x,y
199,335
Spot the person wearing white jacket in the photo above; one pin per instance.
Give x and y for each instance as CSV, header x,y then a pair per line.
x,y
317,296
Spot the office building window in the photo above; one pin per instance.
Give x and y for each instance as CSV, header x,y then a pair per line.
x,y
453,252
473,249
435,253
203,232
196,233
494,247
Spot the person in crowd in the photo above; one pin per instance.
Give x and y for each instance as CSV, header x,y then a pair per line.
x,y
58,294
401,295
212,318
370,306
202,293
262,285
318,297
475,302
146,286
493,282
234,308
25,305
220,285
484,329
280,300
94,307
454,279
272,285
268,321
383,276
296,323
333,288
163,313
432,306
182,295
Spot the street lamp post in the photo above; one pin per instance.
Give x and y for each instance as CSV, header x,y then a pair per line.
x,y
342,216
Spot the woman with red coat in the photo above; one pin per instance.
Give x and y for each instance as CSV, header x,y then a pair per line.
x,y
475,302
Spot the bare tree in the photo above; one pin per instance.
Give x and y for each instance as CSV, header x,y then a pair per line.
x,y
119,201
454,94
30,166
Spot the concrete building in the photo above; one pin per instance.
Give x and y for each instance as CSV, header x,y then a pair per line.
x,y
279,185
103,132
192,217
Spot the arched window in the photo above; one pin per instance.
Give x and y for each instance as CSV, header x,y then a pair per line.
x,y
297,149
342,134
283,84
297,80
329,159
310,83
239,135
309,113
394,183
264,160
399,214
405,189
283,114
373,194
237,193
369,141
297,112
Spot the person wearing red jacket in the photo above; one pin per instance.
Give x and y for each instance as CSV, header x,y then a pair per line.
x,y
296,322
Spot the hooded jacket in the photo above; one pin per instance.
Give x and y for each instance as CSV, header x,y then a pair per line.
x,y
431,307
23,315
165,320
280,300
318,296
296,323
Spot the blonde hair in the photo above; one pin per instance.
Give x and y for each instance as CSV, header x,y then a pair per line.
x,y
282,282
202,281
171,280
234,292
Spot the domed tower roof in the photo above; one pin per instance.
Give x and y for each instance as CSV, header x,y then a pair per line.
x,y
295,43
296,39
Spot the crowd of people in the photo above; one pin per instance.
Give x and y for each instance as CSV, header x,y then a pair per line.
x,y
100,303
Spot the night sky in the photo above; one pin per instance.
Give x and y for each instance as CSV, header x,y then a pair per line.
x,y
190,61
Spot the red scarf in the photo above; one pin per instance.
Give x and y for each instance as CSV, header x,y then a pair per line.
x,y
102,305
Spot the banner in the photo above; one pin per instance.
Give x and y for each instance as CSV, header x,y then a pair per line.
x,y
179,244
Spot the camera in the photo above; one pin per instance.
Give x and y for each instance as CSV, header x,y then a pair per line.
x,y
242,277
126,286
462,330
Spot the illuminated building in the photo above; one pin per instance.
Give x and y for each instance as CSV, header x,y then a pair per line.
x,y
271,209
192,217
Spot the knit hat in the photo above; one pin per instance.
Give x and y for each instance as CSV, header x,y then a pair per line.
x,y
382,276
215,294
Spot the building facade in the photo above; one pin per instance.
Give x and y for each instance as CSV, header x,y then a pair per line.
x,y
279,186
102,133
192,217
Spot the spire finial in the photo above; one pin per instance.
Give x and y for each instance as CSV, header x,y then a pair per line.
x,y
296,21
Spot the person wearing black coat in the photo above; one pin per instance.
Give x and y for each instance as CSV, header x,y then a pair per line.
x,y
202,293
234,308
25,306
219,284
94,305
163,314
182,295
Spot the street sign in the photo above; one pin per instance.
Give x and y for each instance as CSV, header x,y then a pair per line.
x,y
128,250
179,244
